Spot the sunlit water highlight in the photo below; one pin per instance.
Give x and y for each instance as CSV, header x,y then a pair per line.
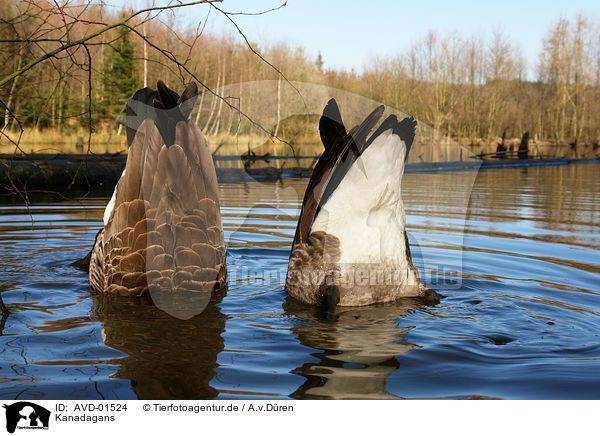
x,y
524,321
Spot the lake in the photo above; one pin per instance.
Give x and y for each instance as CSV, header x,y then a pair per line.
x,y
514,253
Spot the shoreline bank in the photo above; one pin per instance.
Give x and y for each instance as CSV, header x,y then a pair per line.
x,y
65,172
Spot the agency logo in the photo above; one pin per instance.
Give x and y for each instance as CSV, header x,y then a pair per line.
x,y
26,415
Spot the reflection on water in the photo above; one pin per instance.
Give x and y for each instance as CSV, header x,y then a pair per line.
x,y
358,350
514,253
166,357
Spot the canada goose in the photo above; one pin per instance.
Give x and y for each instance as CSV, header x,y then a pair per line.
x,y
350,246
162,228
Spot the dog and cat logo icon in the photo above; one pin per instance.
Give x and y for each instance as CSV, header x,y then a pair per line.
x,y
26,415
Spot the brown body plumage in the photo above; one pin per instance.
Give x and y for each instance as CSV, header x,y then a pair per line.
x,y
164,231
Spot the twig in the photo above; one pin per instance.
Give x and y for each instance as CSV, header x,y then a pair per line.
x,y
93,35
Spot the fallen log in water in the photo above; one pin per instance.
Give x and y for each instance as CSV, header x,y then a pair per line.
x,y
62,172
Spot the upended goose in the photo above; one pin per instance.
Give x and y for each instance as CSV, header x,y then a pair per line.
x,y
162,228
350,246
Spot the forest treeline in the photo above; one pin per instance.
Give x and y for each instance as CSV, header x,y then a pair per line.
x,y
472,88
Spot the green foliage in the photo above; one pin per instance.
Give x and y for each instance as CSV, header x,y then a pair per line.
x,y
319,62
120,77
471,88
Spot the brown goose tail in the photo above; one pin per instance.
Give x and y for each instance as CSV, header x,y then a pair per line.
x,y
164,231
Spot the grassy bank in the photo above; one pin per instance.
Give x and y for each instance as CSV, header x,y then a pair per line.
x,y
298,144
53,141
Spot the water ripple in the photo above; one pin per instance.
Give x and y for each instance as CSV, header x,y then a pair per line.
x,y
522,320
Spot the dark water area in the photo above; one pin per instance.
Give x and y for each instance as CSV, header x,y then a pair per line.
x,y
515,254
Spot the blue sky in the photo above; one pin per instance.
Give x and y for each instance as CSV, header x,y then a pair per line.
x,y
350,33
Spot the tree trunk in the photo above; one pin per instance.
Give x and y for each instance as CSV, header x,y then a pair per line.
x,y
278,106
13,86
145,57
218,118
213,105
203,94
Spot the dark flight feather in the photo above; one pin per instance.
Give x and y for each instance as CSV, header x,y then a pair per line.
x,y
342,149
405,129
333,164
331,128
164,106
350,152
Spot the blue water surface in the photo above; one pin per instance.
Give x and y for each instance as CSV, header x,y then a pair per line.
x,y
515,254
